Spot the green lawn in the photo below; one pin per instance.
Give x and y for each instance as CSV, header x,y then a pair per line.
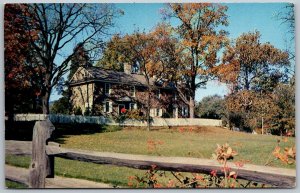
x,y
200,143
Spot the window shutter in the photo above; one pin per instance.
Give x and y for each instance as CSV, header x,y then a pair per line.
x,y
104,107
160,112
110,107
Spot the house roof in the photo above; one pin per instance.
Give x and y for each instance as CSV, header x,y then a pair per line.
x,y
102,75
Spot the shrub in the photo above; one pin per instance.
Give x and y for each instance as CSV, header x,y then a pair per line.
x,y
166,115
135,114
97,109
77,111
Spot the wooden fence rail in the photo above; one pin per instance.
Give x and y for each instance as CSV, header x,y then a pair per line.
x,y
42,166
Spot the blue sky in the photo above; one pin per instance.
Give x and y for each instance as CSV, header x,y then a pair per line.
x,y
243,17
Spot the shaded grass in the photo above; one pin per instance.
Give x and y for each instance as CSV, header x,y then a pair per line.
x,y
14,185
117,176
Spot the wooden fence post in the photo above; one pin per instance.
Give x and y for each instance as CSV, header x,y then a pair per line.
x,y
42,165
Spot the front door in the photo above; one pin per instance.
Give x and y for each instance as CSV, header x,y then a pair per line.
x,y
121,106
175,112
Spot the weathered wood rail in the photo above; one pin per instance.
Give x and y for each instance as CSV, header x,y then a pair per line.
x,y
20,175
43,166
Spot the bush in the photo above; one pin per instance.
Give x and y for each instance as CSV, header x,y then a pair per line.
x,y
97,110
166,115
77,111
87,112
135,114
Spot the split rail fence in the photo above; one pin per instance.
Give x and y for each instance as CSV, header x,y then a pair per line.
x,y
43,154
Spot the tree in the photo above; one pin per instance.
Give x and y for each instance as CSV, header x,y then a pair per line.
x,y
202,37
113,55
59,26
169,60
284,98
21,74
140,48
257,65
80,58
60,106
137,49
287,17
211,107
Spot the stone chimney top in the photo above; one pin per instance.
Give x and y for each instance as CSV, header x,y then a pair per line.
x,y
127,68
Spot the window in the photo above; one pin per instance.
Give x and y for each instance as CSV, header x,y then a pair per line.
x,y
152,111
158,94
185,110
156,112
132,91
107,107
175,96
107,88
132,106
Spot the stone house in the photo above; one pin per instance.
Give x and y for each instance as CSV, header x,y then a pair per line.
x,y
95,89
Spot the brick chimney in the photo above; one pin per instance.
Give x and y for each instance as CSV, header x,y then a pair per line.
x,y
127,68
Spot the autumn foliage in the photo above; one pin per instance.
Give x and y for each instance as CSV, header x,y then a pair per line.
x,y
22,77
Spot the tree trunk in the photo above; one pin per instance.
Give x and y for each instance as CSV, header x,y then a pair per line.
x,y
45,102
192,107
192,99
148,110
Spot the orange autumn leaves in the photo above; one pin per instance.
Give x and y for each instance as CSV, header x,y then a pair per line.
x,y
246,60
224,153
287,155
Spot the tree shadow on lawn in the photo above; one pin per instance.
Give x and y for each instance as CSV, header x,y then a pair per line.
x,y
23,130
63,131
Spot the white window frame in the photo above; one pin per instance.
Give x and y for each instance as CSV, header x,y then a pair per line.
x,y
109,110
134,106
152,112
109,88
184,111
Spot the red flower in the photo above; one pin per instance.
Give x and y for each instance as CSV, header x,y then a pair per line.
x,y
123,110
239,164
213,173
181,130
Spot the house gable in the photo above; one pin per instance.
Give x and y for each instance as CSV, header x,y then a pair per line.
x,y
81,74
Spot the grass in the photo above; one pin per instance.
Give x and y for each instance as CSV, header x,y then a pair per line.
x,y
117,176
199,142
14,185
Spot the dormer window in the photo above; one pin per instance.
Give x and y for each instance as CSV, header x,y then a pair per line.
x,y
107,89
132,91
